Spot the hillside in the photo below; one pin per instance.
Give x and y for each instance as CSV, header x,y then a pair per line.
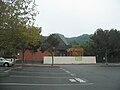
x,y
80,39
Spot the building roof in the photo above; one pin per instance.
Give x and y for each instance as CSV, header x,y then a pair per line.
x,y
63,39
63,44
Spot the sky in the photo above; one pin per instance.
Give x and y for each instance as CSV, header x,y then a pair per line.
x,y
76,17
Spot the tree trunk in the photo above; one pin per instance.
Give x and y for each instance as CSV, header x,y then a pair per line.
x,y
106,59
23,56
52,58
14,55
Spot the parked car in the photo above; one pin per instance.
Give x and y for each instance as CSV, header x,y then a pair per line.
x,y
6,63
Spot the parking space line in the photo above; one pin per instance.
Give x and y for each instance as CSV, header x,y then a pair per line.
x,y
44,70
73,75
80,80
39,72
67,72
25,68
72,80
64,69
30,84
7,70
19,76
76,79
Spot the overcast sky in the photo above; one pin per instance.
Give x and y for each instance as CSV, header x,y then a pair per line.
x,y
76,17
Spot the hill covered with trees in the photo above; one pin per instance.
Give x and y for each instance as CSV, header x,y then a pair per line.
x,y
79,40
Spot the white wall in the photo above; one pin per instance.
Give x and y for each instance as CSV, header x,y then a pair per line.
x,y
70,60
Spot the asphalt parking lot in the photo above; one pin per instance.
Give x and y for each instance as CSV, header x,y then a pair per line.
x,y
64,77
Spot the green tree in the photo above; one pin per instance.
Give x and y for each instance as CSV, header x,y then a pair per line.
x,y
50,44
88,50
100,39
74,43
114,37
29,38
15,17
105,42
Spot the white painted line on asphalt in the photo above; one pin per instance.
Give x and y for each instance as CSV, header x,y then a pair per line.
x,y
67,72
80,80
38,72
30,84
72,80
20,67
63,69
43,70
7,70
16,76
72,74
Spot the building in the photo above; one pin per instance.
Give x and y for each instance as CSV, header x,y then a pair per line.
x,y
61,49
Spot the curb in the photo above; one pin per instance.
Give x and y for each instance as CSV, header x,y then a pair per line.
x,y
109,65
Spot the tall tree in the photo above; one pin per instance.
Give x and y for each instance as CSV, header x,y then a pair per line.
x,y
15,17
88,48
100,39
105,42
114,38
29,38
50,44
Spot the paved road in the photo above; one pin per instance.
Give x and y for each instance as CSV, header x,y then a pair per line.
x,y
65,77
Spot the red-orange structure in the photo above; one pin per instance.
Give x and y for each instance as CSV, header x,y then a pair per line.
x,y
75,51
32,56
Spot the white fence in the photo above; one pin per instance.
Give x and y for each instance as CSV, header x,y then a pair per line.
x,y
70,60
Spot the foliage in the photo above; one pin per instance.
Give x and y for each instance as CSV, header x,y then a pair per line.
x,y
29,37
16,25
88,50
82,41
106,42
100,39
79,40
50,43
